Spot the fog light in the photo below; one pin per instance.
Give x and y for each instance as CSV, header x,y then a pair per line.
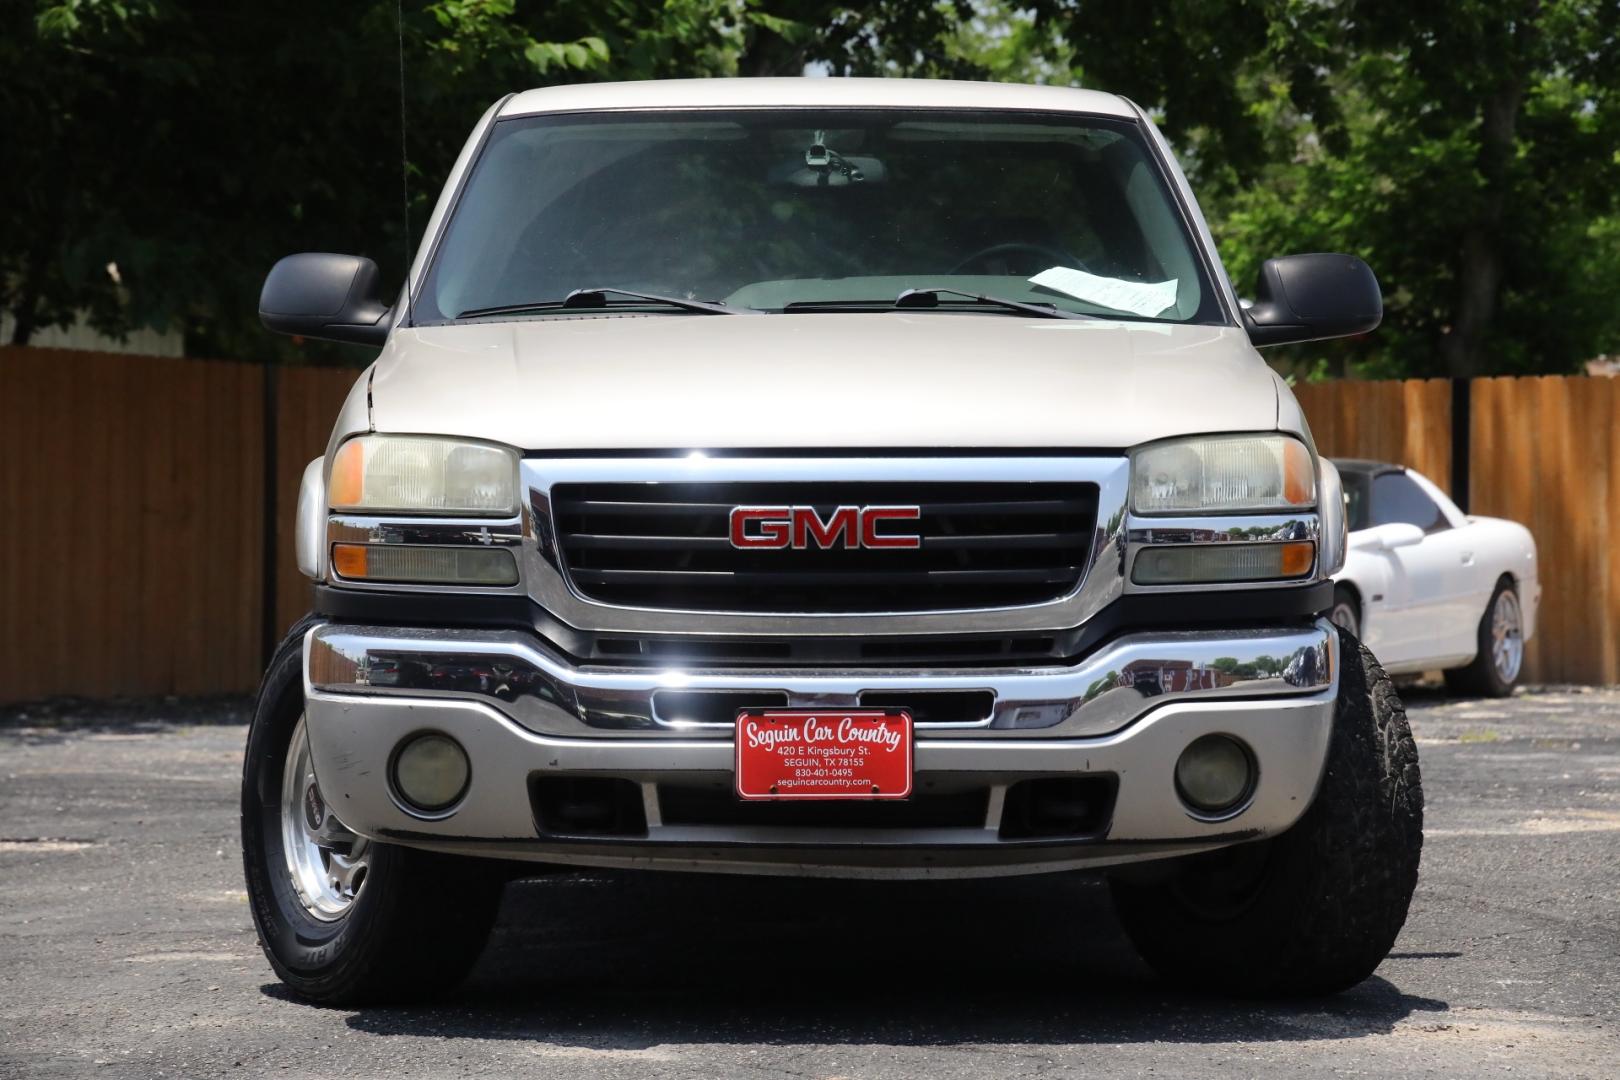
x,y
1214,774
431,772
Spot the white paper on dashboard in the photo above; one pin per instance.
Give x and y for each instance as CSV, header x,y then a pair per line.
x,y
1136,297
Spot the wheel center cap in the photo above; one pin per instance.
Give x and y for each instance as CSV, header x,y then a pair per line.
x,y
314,808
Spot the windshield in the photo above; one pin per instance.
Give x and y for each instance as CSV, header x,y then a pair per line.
x,y
806,209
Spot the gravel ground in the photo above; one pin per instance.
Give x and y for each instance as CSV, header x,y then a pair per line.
x,y
126,947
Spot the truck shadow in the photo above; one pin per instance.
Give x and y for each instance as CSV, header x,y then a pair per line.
x,y
626,961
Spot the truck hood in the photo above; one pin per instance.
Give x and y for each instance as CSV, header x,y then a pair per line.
x,y
820,381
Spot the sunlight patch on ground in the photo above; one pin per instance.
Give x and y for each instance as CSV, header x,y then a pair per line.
x,y
45,844
1501,1026
605,1053
1568,821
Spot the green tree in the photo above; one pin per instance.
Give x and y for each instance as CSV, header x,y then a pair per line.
x,y
1465,149
193,144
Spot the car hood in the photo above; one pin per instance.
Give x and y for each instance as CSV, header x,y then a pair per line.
x,y
820,381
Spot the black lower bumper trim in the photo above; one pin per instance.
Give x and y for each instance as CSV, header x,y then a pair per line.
x,y
1229,610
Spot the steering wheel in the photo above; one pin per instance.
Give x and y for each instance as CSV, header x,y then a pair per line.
x,y
1053,256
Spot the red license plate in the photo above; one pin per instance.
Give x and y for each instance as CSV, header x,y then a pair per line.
x,y
823,754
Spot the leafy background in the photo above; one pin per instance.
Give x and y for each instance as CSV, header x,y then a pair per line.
x,y
1467,150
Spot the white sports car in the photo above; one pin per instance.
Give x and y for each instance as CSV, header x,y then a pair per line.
x,y
1426,586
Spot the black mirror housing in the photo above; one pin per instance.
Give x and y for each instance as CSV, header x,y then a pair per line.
x,y
330,297
1311,297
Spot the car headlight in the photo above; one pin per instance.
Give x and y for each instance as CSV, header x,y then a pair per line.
x,y
1223,474
415,474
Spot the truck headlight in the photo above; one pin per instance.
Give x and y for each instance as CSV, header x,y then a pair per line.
x,y
1223,474
415,474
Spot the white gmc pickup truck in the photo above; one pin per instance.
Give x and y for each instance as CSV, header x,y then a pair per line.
x,y
834,477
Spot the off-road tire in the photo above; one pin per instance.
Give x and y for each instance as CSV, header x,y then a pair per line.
x,y
1317,908
1480,678
416,924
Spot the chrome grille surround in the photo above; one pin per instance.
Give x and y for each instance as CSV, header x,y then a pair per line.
x,y
967,545
1101,581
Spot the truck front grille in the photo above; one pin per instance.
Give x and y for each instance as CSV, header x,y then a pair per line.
x,y
668,545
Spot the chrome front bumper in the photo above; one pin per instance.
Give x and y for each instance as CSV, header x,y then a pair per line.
x,y
523,713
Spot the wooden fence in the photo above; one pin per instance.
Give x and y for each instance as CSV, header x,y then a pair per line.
x,y
133,489
1544,452
1406,422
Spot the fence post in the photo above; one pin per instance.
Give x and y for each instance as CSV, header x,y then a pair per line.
x,y
271,413
1462,401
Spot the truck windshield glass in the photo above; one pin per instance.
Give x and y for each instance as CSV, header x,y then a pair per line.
x,y
764,209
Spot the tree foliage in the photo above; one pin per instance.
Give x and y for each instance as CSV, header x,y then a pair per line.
x,y
192,144
1466,149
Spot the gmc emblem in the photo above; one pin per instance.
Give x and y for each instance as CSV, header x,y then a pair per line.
x,y
800,526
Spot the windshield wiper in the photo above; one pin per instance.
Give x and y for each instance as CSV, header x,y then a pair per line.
x,y
581,299
929,298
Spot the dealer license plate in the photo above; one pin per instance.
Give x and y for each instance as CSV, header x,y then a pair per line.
x,y
823,754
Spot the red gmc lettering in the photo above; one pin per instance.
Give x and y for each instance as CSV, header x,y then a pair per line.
x,y
807,525
774,527
874,514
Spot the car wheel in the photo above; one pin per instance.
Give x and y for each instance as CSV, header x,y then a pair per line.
x,y
1346,612
344,920
1315,910
1500,660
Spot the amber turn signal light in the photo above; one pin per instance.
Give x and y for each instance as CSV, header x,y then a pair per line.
x,y
411,564
349,560
1200,564
1297,557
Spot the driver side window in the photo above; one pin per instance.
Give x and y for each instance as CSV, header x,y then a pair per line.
x,y
1395,497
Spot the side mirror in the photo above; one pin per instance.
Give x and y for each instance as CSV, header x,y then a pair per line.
x,y
1310,297
320,295
1396,534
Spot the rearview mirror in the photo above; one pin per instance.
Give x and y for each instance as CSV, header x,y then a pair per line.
x,y
320,295
1310,297
1396,534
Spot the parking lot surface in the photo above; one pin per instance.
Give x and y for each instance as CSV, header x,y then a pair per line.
x,y
126,947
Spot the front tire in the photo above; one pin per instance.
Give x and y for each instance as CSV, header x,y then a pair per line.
x,y
1315,910
343,920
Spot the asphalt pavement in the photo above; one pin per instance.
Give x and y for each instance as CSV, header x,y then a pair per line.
x,y
126,947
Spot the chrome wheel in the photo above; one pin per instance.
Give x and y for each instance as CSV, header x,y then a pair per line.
x,y
1507,636
327,862
1344,616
